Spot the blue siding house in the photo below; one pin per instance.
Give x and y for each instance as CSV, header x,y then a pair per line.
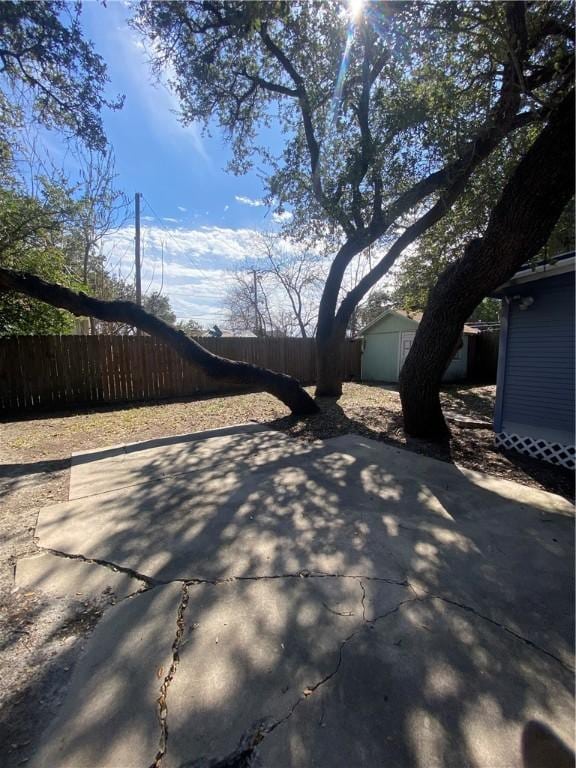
x,y
534,411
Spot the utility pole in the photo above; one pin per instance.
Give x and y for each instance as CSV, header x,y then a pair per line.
x,y
137,250
256,318
137,257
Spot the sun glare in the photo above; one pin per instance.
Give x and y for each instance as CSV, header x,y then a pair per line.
x,y
356,8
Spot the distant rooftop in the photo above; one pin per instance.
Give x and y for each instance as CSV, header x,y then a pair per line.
x,y
229,333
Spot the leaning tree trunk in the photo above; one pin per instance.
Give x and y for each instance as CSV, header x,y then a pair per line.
x,y
284,387
519,226
330,362
331,332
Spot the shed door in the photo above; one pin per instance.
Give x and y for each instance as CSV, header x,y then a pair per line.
x,y
406,339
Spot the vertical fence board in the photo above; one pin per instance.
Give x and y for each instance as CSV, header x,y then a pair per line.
x,y
9,375
74,371
125,367
101,369
4,369
109,371
154,372
53,372
27,367
119,373
13,374
92,348
82,362
21,390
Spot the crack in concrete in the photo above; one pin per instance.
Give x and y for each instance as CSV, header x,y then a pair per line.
x,y
304,574
394,610
498,624
151,582
337,613
148,580
244,756
311,689
161,702
363,588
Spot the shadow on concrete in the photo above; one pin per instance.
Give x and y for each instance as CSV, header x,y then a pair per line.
x,y
464,447
481,647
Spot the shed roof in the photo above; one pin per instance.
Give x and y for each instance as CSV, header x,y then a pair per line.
x,y
415,316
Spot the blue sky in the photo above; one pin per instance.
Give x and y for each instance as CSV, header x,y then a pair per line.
x,y
200,216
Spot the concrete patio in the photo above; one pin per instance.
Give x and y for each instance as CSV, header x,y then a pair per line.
x,y
284,604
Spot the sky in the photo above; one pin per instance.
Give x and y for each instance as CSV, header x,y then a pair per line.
x,y
201,218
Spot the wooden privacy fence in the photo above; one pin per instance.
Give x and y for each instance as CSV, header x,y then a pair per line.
x,y
483,357
56,371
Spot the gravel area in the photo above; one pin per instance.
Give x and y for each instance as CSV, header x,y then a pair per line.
x,y
41,637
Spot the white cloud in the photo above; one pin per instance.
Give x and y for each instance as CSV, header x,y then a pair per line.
x,y
172,221
243,200
282,217
196,264
181,208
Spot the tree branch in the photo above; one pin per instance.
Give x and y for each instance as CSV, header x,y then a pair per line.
x,y
268,85
312,143
284,387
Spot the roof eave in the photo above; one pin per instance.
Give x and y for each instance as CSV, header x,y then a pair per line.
x,y
562,264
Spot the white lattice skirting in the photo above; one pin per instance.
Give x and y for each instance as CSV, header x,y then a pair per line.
x,y
555,453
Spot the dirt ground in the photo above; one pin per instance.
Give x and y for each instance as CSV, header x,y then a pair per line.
x,y
40,637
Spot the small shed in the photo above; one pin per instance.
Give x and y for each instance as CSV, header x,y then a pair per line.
x,y
534,411
387,341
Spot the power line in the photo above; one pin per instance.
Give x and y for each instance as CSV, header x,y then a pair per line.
x,y
202,272
120,260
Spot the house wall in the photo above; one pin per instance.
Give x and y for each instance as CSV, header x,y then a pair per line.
x,y
535,396
381,348
458,367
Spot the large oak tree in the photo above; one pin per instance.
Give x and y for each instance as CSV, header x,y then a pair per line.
x,y
386,115
520,224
